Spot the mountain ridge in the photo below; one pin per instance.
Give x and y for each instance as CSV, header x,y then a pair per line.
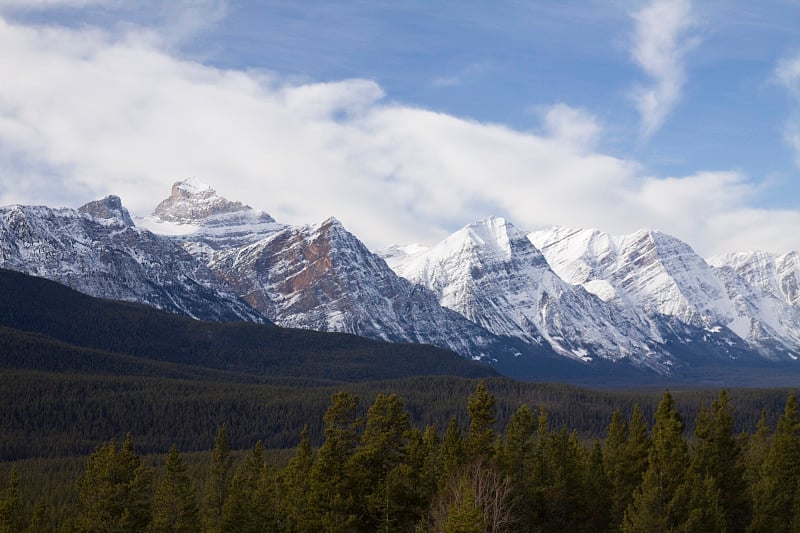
x,y
538,304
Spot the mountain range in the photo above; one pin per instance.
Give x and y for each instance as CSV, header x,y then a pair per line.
x,y
552,304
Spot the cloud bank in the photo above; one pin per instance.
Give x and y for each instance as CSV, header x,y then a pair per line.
x,y
85,113
660,41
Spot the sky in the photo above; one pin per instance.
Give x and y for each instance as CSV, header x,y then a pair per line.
x,y
408,120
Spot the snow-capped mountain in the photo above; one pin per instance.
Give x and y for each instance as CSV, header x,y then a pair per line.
x,y
765,293
548,304
492,274
205,223
648,269
666,279
317,277
97,250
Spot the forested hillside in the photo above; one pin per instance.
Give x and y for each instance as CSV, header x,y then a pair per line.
x,y
379,470
91,331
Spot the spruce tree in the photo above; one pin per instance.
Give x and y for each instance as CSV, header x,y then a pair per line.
x,y
617,468
174,504
464,513
12,512
41,521
518,446
597,492
653,509
756,447
238,511
216,485
701,501
294,482
268,512
775,492
452,454
384,477
480,436
115,490
333,495
423,459
718,457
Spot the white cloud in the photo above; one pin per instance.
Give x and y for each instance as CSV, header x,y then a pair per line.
x,y
88,113
660,41
572,125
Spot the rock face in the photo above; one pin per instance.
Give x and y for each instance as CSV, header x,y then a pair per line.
x,y
98,251
322,277
191,202
109,208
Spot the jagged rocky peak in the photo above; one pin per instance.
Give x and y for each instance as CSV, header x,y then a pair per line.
x,y
192,202
108,208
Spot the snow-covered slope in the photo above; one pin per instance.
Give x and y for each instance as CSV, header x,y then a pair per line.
x,y
649,269
492,274
666,279
97,250
765,291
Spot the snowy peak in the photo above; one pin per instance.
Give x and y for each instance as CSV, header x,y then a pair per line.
x,y
322,277
192,202
108,208
491,273
96,252
648,269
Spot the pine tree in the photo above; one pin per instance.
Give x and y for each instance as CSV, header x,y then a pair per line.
x,y
617,467
294,482
597,492
755,451
775,492
41,521
381,466
174,504
266,500
333,495
701,500
718,458
518,446
480,436
464,514
423,459
12,513
563,489
216,486
652,509
238,512
115,490
452,454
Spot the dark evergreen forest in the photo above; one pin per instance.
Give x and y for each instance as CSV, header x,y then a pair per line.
x,y
116,417
377,469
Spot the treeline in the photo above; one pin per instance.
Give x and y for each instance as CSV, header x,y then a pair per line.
x,y
57,415
381,472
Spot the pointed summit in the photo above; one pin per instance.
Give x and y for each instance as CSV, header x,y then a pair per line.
x,y
107,208
192,202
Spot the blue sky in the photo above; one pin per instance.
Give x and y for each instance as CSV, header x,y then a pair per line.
x,y
407,120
